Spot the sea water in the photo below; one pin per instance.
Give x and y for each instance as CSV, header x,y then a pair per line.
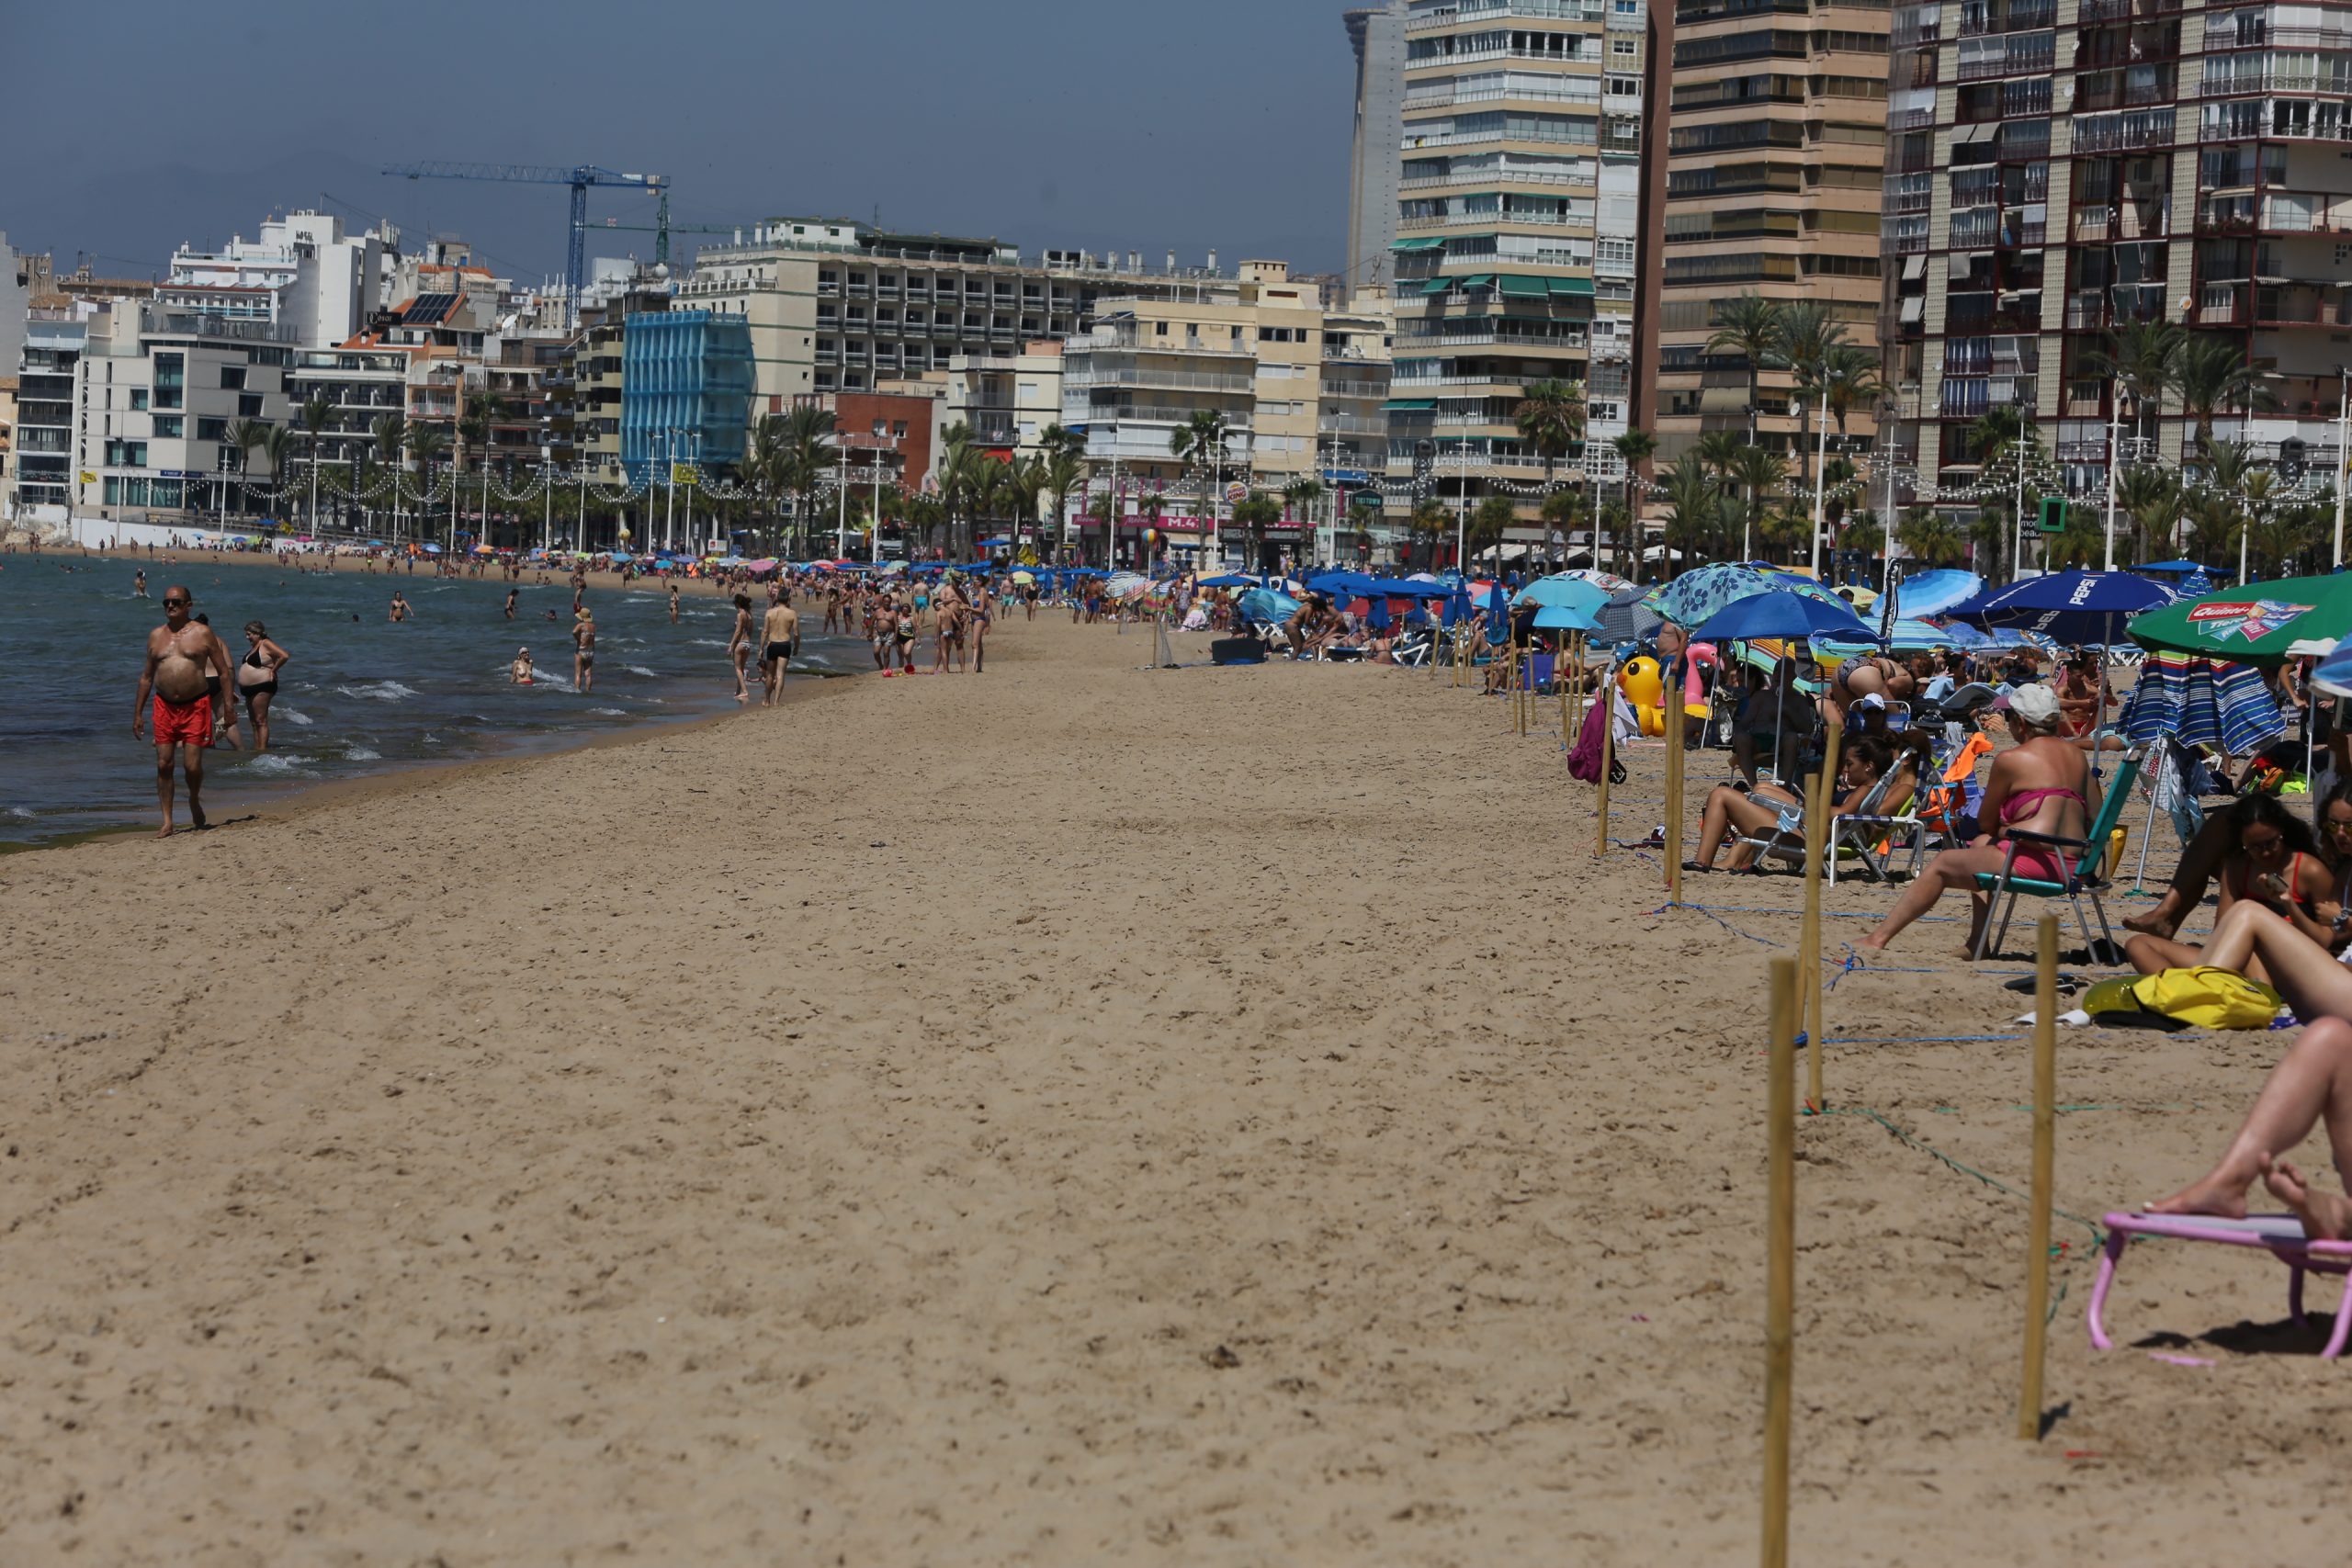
x,y
362,696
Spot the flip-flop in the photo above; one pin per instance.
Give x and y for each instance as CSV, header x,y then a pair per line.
x,y
1694,866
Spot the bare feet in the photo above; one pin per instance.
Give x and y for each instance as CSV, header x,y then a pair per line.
x,y
1873,943
2155,922
2326,1216
164,832
195,813
2216,1195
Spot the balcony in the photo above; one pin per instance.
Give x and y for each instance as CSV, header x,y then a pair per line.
x,y
2091,12
1350,425
2022,54
1978,20
2124,132
1356,388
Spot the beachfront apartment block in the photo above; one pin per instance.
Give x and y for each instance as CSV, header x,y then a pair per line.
x,y
304,270
2060,169
1775,154
1260,351
158,392
1520,213
1007,400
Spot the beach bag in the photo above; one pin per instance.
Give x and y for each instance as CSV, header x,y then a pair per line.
x,y
1584,757
2204,997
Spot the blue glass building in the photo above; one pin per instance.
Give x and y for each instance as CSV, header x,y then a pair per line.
x,y
685,390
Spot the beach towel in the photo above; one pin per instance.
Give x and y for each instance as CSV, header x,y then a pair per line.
x,y
1584,757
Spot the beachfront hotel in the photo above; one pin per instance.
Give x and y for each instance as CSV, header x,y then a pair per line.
x,y
1774,156
2059,169
1520,222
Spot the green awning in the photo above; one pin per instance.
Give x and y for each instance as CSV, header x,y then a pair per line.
x,y
1479,280
1437,286
1410,405
1524,287
1418,245
1571,286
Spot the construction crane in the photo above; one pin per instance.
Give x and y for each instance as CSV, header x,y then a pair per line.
x,y
575,271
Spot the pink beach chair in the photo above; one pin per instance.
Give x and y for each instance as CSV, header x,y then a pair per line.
x,y
2279,1235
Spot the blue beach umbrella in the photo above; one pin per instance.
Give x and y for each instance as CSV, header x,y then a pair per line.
x,y
1458,608
1229,579
2067,607
1376,615
1783,613
1498,612
1266,604
1698,594
2333,674
1903,636
1935,592
1564,618
1573,592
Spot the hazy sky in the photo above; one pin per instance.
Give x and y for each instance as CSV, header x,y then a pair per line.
x,y
1127,124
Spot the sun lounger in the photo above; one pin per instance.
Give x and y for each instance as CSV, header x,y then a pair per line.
x,y
2279,1235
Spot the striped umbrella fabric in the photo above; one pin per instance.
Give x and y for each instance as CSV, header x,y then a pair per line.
x,y
1696,595
2201,701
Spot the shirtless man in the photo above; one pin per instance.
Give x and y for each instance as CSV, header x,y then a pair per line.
x,y
739,645
180,653
884,625
780,638
583,652
400,611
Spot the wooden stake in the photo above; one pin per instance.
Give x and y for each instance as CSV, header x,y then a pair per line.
x,y
2045,1099
1820,807
1780,1259
1674,798
1605,695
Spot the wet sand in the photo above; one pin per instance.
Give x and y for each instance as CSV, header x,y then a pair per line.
x,y
1075,1114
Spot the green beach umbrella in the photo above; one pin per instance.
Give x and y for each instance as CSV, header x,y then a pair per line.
x,y
2253,624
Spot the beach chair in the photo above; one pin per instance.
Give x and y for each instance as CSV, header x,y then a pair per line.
x,y
1873,838
1789,845
2083,879
2279,1235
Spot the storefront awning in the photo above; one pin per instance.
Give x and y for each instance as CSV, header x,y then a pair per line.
x,y
1431,244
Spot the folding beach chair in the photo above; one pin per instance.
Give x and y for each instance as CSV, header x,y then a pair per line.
x,y
2085,877
2281,1234
1788,845
1873,838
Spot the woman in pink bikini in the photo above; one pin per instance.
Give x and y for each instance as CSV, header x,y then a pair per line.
x,y
2044,785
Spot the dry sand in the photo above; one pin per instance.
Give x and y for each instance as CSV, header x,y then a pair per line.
x,y
1078,1114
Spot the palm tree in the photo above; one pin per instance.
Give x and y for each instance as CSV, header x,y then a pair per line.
x,y
1059,441
1930,538
2143,359
1694,507
1429,520
276,446
244,435
1852,380
474,433
1255,512
316,414
425,443
2151,497
1805,338
2003,436
1300,495
2213,374
1750,327
1758,472
390,434
1364,514
1719,449
1550,420
1636,446
1566,511
1488,520
1025,481
963,484
1065,476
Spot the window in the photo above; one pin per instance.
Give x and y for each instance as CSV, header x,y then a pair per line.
x,y
248,405
126,453
212,430
232,377
168,427
171,379
138,398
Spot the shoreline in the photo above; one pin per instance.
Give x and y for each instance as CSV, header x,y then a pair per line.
x,y
350,566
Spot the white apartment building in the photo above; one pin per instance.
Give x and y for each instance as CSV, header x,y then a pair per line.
x,y
1007,400
305,271
157,392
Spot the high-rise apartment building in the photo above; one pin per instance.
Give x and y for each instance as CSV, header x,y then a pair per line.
x,y
303,269
1519,225
2061,168
1377,35
159,392
1775,155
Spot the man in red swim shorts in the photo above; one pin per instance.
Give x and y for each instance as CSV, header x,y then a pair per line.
x,y
179,653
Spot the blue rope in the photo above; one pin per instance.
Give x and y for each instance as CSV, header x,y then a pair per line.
x,y
1924,1039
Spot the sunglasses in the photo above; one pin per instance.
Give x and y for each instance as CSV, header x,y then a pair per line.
x,y
168,602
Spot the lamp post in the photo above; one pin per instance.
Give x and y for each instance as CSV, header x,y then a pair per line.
x,y
1462,512
840,526
1820,480
2342,429
876,551
2114,412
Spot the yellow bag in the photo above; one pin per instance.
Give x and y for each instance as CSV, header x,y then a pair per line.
x,y
2205,997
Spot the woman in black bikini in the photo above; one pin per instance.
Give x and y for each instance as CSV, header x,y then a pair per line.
x,y
257,679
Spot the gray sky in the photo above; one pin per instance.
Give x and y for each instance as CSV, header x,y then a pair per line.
x,y
1212,123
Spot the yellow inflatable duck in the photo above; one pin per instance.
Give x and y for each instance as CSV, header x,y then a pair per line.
x,y
1639,681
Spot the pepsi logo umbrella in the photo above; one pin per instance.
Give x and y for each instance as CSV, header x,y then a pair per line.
x,y
2068,607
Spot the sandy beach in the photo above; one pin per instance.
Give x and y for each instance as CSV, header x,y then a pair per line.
x,y
1077,1114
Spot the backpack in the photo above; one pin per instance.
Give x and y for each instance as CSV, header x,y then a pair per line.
x,y
2204,997
1584,757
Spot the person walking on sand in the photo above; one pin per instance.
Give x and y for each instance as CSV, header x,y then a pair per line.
x,y
583,651
257,679
512,594
401,612
780,634
179,654
739,645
